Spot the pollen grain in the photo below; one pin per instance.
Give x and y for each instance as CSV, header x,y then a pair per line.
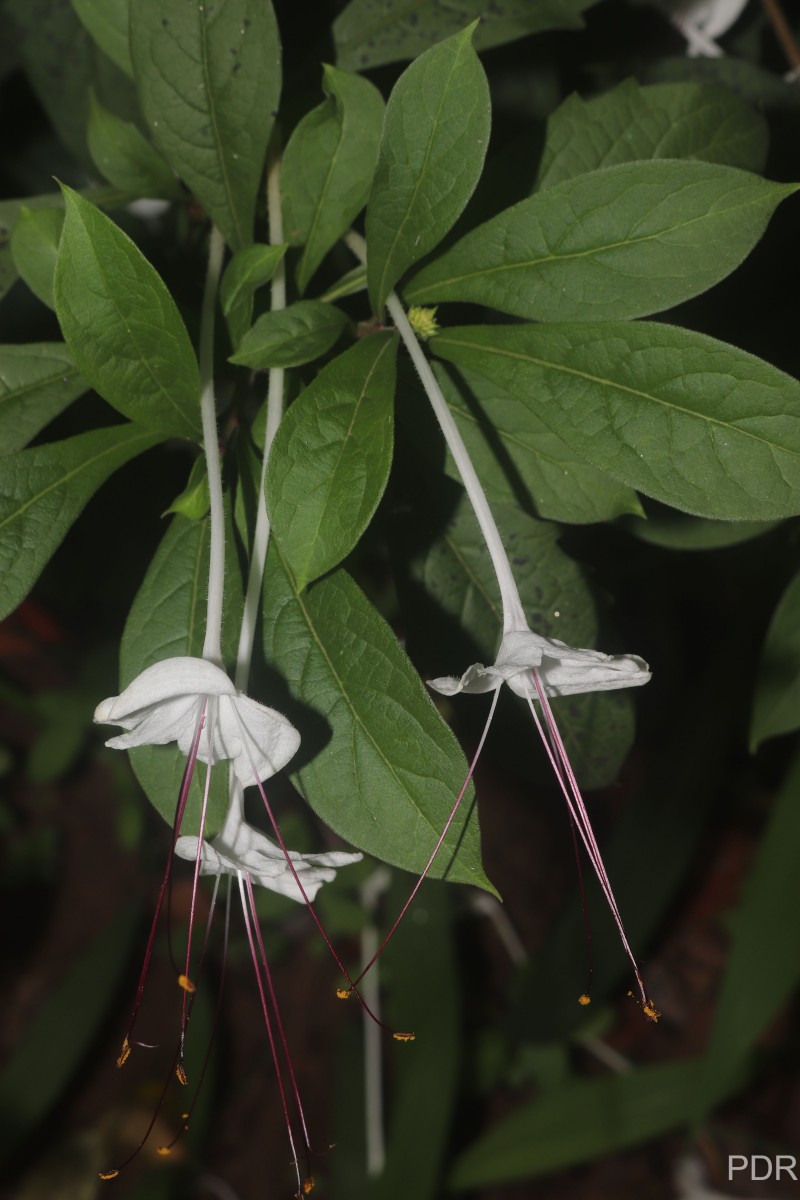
x,y
343,993
584,999
185,982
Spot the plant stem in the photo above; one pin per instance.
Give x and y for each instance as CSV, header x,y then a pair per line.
x,y
513,615
258,556
212,646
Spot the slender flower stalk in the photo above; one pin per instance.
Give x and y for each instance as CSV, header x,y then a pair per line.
x,y
534,667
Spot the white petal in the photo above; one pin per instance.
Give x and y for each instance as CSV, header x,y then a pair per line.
x,y
264,861
164,681
258,739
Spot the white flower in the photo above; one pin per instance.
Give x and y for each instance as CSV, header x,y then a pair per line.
x,y
563,670
163,705
265,862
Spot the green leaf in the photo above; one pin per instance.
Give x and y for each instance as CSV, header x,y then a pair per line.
x,y
754,84
435,135
689,120
677,531
585,1119
209,80
63,64
34,249
777,700
349,285
622,241
248,270
107,22
126,158
44,489
518,458
331,458
194,501
381,767
693,422
122,326
291,336
51,1047
37,382
368,32
166,620
764,960
328,166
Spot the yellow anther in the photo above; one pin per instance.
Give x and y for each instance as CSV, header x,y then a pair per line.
x,y
423,321
124,1053
163,1149
584,999
185,982
404,1037
184,1116
650,1011
109,1174
308,1186
181,1074
342,993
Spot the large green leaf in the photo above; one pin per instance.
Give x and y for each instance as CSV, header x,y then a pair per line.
x,y
44,489
370,32
328,166
34,249
621,241
122,326
435,135
209,79
777,701
107,22
518,458
331,458
125,157
668,120
37,382
693,422
290,336
584,1119
166,620
380,766
764,962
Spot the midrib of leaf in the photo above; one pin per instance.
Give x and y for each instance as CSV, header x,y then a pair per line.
x,y
421,175
325,189
377,27
348,434
44,381
346,697
62,479
670,406
143,358
573,255
472,578
212,112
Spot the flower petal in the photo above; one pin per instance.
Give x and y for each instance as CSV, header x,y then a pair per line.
x,y
258,739
164,681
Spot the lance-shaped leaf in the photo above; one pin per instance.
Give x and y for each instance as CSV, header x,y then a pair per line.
x,y
37,382
369,32
386,768
331,458
44,489
126,158
328,166
167,620
34,249
691,421
107,22
121,324
290,336
435,135
518,458
209,80
667,120
619,242
777,700
248,270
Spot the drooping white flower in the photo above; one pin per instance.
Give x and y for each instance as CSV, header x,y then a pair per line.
x,y
563,670
256,855
161,705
